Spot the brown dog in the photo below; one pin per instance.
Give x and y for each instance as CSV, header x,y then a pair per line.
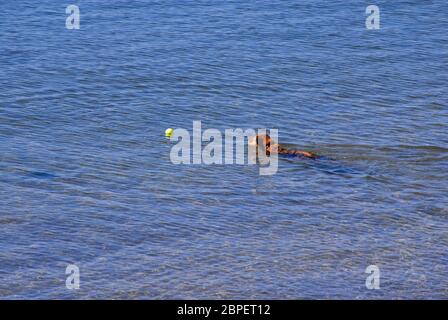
x,y
265,140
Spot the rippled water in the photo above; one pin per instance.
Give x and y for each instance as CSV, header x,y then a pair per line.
x,y
86,177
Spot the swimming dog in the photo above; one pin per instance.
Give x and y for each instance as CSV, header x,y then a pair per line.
x,y
265,141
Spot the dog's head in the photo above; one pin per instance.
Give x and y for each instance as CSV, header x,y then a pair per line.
x,y
260,139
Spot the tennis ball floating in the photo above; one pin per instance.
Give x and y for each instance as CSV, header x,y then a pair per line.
x,y
169,132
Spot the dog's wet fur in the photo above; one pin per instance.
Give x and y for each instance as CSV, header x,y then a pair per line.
x,y
266,142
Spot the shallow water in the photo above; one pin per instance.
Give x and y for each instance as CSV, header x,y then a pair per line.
x,y
85,174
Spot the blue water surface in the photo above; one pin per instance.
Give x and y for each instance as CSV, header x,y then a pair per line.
x,y
86,176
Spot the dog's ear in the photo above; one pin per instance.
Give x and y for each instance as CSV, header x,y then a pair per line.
x,y
268,140
258,139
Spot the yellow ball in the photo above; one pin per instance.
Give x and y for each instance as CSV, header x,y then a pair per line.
x,y
169,132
